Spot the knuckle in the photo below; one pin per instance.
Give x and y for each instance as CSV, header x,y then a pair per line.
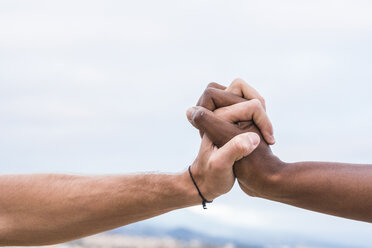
x,y
212,161
238,82
215,164
262,100
209,92
207,98
206,95
212,85
256,104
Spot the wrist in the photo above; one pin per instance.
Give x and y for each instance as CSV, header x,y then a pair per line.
x,y
273,181
187,187
210,183
260,177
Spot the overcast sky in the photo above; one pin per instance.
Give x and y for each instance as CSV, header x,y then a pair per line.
x,y
102,87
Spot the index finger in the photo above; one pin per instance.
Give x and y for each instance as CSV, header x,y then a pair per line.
x,y
240,88
214,98
247,111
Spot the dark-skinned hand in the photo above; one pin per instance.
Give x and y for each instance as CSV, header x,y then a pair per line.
x,y
222,113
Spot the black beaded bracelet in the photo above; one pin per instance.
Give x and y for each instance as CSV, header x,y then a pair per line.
x,y
204,201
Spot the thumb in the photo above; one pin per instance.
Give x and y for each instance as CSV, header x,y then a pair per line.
x,y
238,147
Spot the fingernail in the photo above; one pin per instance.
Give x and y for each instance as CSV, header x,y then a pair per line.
x,y
254,138
272,139
189,112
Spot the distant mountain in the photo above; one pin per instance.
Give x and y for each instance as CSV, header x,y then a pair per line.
x,y
187,235
181,234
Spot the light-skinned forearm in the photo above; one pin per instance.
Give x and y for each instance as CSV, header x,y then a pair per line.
x,y
49,209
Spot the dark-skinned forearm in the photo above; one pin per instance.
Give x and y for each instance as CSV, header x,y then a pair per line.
x,y
339,189
334,188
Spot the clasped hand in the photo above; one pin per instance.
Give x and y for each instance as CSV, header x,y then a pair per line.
x,y
236,133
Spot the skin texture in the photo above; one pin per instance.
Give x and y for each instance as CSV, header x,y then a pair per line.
x,y
221,131
49,209
339,189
